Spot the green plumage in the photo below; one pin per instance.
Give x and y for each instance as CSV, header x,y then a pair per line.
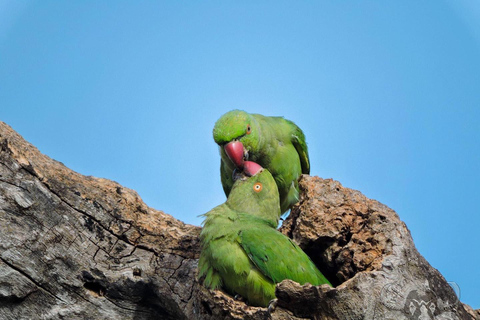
x,y
243,253
274,143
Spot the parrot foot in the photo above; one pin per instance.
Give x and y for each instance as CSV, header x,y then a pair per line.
x,y
272,305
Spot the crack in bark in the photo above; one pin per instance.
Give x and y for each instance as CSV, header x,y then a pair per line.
x,y
85,299
111,248
95,255
173,289
9,169
82,212
12,184
125,308
31,279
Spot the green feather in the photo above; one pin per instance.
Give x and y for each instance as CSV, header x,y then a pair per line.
x,y
273,253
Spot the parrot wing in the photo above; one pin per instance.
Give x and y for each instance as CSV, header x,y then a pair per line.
x,y
298,140
278,257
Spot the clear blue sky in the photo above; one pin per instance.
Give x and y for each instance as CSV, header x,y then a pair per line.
x,y
387,93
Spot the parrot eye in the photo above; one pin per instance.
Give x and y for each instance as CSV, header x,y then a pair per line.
x,y
249,129
257,187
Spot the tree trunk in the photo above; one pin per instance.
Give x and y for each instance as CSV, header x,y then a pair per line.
x,y
78,247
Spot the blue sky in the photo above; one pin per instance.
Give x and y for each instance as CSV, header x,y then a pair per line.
x,y
387,93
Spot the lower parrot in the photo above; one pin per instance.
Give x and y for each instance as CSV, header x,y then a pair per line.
x,y
274,143
242,251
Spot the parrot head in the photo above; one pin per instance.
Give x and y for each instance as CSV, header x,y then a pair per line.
x,y
255,192
237,132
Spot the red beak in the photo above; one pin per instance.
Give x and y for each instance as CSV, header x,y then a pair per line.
x,y
234,151
251,168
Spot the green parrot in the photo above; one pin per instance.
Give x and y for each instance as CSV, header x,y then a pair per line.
x,y
274,143
242,251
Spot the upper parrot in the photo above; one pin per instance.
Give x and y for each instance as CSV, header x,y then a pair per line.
x,y
242,251
275,143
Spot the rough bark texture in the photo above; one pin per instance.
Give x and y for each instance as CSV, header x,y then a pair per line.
x,y
77,247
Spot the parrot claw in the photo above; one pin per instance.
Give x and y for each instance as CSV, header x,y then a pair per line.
x,y
272,305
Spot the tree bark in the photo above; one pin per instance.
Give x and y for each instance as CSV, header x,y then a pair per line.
x,y
78,247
